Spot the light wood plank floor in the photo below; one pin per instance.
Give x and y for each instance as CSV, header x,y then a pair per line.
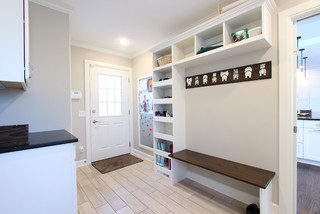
x,y
138,189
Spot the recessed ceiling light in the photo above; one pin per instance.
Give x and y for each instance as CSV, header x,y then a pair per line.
x,y
124,42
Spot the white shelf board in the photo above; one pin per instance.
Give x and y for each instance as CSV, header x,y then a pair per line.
x,y
164,68
163,119
235,49
163,101
163,136
162,153
165,170
163,84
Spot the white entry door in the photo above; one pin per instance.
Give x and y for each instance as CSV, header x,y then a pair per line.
x,y
109,112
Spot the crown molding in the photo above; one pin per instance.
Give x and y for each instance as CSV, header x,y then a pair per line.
x,y
139,53
103,50
55,5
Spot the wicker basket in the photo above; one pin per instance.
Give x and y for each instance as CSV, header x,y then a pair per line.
x,y
166,59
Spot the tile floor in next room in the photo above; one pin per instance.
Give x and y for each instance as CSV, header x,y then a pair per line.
x,y
138,189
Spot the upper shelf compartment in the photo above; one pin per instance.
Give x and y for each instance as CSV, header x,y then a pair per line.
x,y
250,21
183,49
214,38
161,56
209,39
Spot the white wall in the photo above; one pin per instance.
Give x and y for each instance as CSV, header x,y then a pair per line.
x,y
78,55
142,66
46,104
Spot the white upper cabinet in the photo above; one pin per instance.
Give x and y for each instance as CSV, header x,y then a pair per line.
x,y
14,44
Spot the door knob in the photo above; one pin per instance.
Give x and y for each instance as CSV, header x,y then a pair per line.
x,y
96,121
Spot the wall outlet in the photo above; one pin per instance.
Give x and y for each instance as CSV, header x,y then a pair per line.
x,y
81,149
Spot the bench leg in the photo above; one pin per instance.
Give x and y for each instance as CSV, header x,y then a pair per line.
x,y
266,199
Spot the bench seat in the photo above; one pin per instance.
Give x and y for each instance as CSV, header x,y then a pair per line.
x,y
248,174
252,175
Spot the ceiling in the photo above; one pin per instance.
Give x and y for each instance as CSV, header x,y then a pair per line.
x,y
99,24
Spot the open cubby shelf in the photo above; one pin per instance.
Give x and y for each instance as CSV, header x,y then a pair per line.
x,y
217,31
163,119
163,84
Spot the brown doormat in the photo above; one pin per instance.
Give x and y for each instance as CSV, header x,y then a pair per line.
x,y
110,164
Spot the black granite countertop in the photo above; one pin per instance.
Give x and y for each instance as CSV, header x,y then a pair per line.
x,y
44,139
314,116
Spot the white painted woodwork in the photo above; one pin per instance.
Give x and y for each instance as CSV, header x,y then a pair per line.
x,y
265,197
163,119
300,139
109,134
38,181
183,48
287,102
14,43
300,153
163,84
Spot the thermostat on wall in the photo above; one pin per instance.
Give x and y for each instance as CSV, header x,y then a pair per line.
x,y
76,95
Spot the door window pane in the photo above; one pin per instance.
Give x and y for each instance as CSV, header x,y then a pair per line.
x,y
118,96
102,95
111,109
102,81
110,81
110,95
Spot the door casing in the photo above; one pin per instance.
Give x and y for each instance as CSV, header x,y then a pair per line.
x,y
87,64
287,113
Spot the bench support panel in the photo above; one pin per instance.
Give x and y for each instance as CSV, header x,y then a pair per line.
x,y
180,171
266,199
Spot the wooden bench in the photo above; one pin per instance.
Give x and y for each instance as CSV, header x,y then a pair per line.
x,y
255,176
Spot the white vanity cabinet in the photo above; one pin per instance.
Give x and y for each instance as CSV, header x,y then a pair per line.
x,y
14,44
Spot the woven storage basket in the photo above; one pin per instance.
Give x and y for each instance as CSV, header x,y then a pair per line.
x,y
166,59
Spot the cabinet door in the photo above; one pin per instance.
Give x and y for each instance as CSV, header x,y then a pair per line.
x,y
312,144
300,135
299,150
12,40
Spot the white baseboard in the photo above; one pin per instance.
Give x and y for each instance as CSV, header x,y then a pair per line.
x,y
275,208
81,163
310,162
142,155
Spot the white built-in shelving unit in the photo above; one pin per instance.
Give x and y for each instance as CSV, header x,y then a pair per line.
x,y
184,48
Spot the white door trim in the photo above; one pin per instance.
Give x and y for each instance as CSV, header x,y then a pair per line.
x,y
287,114
138,113
87,64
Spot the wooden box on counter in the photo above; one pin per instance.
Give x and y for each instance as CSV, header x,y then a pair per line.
x,y
15,135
